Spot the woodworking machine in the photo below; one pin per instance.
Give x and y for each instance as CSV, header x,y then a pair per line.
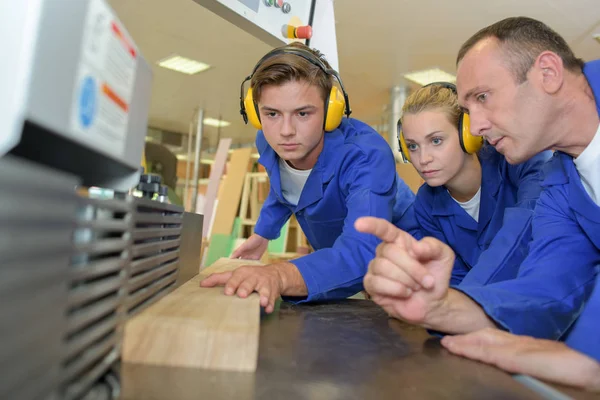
x,y
80,252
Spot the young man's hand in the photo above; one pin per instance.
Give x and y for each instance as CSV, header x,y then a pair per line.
x,y
270,281
544,359
252,249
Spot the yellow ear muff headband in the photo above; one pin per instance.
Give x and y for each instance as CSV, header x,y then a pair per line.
x,y
336,104
469,143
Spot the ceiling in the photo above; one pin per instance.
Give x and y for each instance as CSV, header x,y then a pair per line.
x,y
390,38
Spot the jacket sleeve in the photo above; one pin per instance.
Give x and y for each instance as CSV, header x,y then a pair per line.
x,y
273,215
369,183
553,281
502,259
404,216
428,227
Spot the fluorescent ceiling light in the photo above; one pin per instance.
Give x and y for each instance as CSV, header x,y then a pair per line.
x,y
597,37
428,76
182,64
217,123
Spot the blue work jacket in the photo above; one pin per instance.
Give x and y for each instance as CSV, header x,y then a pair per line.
x,y
492,248
355,176
556,280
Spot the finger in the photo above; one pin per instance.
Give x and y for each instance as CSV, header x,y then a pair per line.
x,y
387,269
264,293
247,286
403,261
430,248
240,250
237,253
481,345
238,276
383,229
217,279
380,286
272,299
470,346
384,301
497,337
379,249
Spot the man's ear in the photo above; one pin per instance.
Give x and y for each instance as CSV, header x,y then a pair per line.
x,y
549,70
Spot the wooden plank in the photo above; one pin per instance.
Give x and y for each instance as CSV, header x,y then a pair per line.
x,y
259,178
229,198
214,179
243,205
197,327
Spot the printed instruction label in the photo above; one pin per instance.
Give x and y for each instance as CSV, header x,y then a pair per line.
x,y
104,81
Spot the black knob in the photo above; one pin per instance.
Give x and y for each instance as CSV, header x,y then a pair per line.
x,y
149,185
150,178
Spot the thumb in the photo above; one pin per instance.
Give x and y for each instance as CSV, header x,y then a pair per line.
x,y
430,248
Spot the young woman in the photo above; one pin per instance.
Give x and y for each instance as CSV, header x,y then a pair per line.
x,y
472,199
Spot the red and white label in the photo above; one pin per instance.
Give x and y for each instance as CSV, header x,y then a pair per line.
x,y
105,80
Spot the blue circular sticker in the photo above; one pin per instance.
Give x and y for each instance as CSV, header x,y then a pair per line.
x,y
87,101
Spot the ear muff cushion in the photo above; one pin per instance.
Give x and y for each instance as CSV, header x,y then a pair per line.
x,y
404,148
401,142
469,143
334,110
251,111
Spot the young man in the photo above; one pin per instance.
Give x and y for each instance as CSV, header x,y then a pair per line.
x,y
325,169
525,92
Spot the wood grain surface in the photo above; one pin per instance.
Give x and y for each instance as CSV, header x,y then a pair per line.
x,y
197,327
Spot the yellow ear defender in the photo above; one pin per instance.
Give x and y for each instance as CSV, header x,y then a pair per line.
x,y
469,143
336,105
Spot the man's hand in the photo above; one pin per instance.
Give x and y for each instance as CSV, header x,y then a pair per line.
x,y
408,278
544,359
252,249
270,281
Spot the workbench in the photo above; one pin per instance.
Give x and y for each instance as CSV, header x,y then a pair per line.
x,y
347,349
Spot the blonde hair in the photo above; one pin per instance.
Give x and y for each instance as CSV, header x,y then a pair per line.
x,y
433,97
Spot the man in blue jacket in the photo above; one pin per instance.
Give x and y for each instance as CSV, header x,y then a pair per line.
x,y
325,169
525,92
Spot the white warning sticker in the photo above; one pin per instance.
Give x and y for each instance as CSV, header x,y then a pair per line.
x,y
104,81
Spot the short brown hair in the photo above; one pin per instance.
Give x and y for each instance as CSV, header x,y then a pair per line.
x,y
285,67
433,97
524,39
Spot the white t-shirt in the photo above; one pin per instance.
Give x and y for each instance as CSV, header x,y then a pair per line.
x,y
588,166
472,206
292,181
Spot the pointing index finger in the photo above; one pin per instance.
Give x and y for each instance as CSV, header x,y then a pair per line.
x,y
383,229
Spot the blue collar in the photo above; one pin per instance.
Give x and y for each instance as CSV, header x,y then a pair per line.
x,y
322,173
557,170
